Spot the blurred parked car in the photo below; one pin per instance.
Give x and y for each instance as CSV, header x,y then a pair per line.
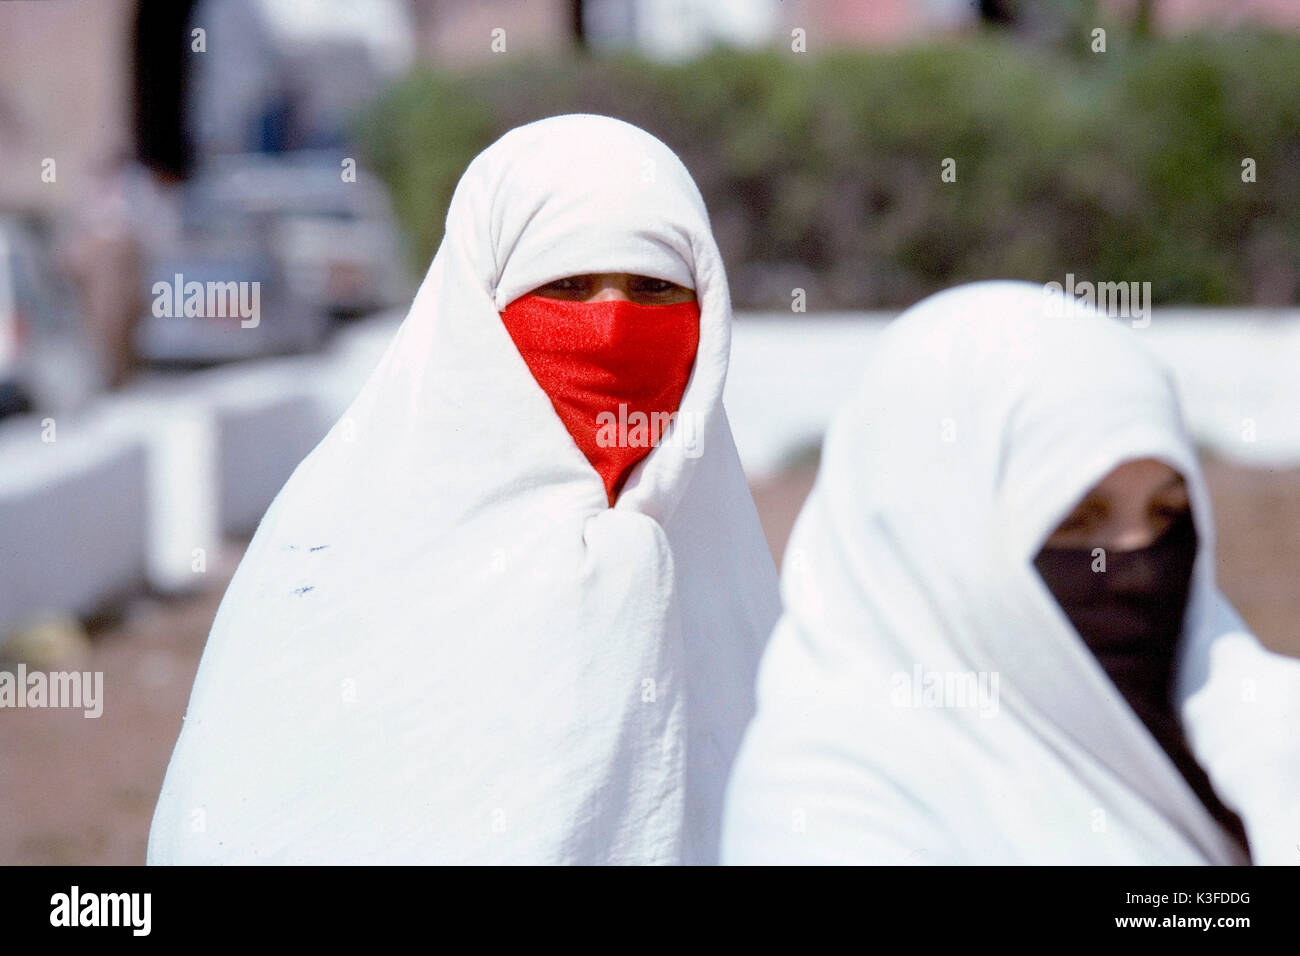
x,y
242,308
319,246
46,360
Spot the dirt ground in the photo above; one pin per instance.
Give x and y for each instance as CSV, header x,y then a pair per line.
x,y
81,791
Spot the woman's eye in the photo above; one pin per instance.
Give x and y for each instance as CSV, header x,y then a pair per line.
x,y
655,286
567,287
1084,519
1075,522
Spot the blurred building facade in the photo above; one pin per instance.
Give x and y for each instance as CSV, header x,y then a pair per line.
x,y
460,32
65,88
66,67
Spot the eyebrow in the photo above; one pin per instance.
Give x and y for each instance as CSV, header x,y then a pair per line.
x,y
1171,483
1089,502
1174,481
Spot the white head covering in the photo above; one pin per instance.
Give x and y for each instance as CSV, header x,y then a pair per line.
x,y
442,644
980,423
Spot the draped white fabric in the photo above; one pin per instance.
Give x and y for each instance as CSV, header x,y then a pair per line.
x,y
1240,707
923,698
442,645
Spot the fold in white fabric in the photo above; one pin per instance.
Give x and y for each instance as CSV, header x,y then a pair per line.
x,y
442,645
923,698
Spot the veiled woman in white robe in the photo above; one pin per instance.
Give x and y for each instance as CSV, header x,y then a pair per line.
x,y
924,699
443,644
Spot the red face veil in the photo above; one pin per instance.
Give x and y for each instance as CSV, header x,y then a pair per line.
x,y
614,370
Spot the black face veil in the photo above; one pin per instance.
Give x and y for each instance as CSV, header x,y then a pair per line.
x,y
1130,611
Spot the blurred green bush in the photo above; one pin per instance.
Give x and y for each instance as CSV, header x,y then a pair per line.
x,y
823,173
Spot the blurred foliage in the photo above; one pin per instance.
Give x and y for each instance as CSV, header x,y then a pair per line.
x,y
824,172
